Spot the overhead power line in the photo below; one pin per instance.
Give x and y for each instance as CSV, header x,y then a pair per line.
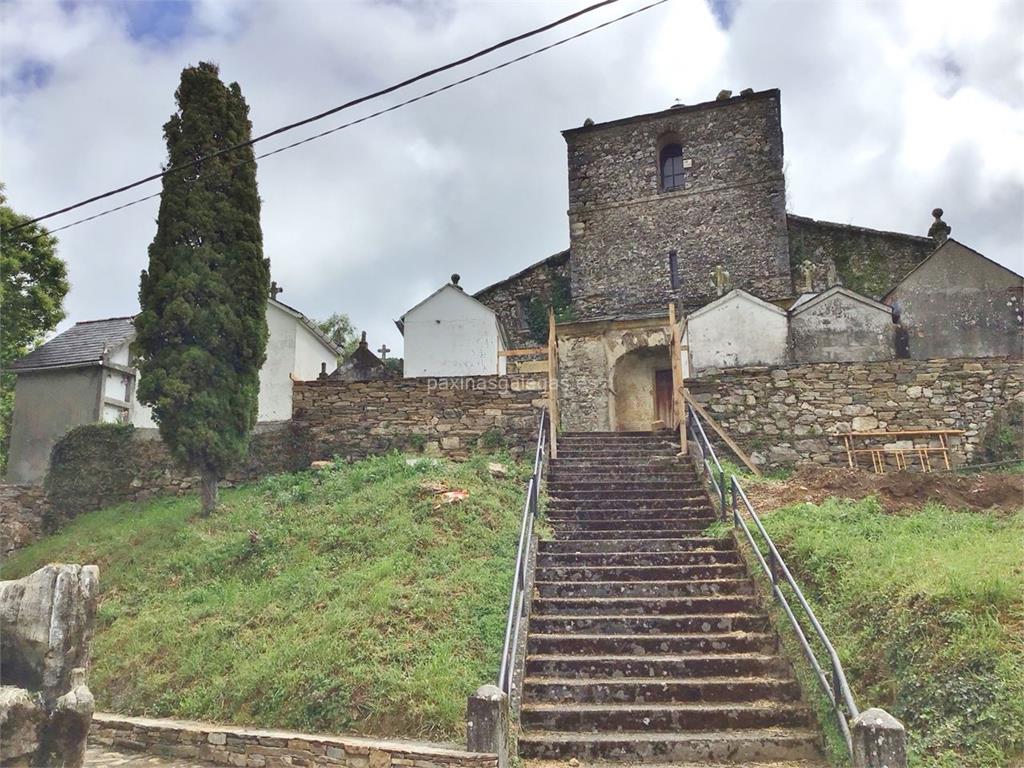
x,y
370,116
322,115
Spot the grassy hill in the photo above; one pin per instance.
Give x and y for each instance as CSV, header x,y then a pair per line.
x,y
926,610
343,600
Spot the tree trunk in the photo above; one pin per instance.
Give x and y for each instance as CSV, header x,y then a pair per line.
x,y
209,492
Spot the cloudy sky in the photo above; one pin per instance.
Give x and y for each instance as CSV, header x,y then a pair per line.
x,y
889,109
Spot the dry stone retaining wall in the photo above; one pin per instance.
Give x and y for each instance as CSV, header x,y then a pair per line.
x,y
784,416
445,416
23,513
252,748
97,466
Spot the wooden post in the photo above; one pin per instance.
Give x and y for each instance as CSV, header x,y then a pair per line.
x,y
678,393
553,382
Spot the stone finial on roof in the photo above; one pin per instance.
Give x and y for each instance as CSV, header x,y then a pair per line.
x,y
723,95
275,290
455,280
746,92
362,340
939,230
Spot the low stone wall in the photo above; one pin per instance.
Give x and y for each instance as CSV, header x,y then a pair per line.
x,y
24,511
103,464
784,416
225,745
444,416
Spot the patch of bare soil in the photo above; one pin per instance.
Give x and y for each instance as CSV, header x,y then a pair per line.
x,y
897,491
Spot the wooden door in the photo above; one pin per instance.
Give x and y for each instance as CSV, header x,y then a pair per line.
x,y
663,410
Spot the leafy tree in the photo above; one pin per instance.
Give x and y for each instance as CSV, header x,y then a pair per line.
x,y
560,302
33,284
202,332
339,329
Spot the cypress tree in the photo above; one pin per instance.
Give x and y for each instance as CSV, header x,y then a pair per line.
x,y
201,335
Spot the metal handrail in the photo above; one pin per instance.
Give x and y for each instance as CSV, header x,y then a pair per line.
x,y
838,690
517,599
707,458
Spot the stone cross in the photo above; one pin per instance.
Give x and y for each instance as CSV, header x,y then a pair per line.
x,y
383,351
274,290
720,279
807,269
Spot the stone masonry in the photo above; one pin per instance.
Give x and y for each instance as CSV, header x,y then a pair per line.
x,y
505,297
445,416
252,748
784,416
730,210
23,511
865,260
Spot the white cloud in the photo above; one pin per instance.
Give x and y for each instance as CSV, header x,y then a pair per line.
x,y
888,111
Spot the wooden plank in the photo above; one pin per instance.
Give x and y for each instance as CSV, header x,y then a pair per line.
x,y
722,434
522,352
905,432
678,402
684,417
553,382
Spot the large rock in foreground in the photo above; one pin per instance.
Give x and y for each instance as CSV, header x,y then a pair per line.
x,y
47,621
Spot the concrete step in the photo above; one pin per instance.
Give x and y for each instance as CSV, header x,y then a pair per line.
x,y
624,502
692,557
669,656
662,481
620,469
681,544
569,515
737,747
643,606
621,457
604,718
650,690
639,572
598,499
652,588
666,529
619,624
626,647
690,522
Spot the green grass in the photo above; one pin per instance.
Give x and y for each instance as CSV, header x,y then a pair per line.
x,y
926,611
331,601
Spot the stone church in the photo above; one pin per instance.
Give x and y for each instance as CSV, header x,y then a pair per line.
x,y
688,206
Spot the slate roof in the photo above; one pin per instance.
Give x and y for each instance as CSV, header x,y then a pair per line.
x,y
84,343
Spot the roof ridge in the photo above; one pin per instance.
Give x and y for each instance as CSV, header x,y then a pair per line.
x,y
104,320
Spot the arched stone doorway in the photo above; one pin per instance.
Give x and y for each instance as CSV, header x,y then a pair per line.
x,y
642,383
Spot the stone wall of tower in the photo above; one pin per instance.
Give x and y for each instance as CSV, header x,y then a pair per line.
x,y
730,210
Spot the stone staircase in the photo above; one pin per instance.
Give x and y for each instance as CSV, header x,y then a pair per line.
x,y
646,643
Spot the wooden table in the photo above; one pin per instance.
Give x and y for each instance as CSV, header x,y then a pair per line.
x,y
879,454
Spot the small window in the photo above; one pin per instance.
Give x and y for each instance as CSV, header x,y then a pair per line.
x,y
671,167
523,310
673,269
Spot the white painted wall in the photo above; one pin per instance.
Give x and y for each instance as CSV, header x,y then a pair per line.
x,y
275,385
451,334
736,330
310,352
292,348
